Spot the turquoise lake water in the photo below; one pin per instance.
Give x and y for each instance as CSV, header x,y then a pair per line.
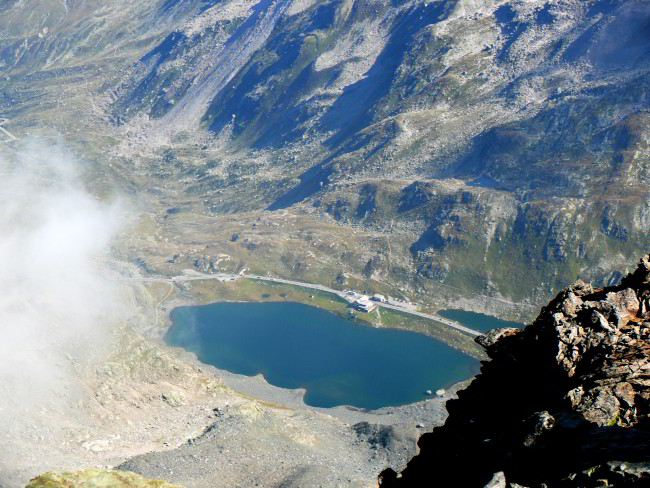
x,y
477,321
336,360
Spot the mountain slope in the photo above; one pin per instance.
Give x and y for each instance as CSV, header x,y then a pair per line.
x,y
522,127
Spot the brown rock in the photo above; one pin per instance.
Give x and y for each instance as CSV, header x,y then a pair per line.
x,y
600,406
561,403
495,335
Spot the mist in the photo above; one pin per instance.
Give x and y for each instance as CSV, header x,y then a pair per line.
x,y
58,301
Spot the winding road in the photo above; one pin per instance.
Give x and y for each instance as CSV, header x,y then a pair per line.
x,y
404,309
192,275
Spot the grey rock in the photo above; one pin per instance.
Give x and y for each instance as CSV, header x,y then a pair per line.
x,y
497,481
539,423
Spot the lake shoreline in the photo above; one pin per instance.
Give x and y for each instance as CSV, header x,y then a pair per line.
x,y
429,412
339,362
480,321
209,291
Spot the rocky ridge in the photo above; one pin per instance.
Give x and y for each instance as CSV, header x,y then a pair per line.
x,y
563,402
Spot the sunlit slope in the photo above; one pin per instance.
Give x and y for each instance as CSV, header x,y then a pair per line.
x,y
467,131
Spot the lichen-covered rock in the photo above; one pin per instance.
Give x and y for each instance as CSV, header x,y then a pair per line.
x,y
96,478
174,398
564,402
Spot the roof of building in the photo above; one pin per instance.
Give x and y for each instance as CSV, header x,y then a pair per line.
x,y
364,303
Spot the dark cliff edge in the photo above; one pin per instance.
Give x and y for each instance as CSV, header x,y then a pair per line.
x,y
563,402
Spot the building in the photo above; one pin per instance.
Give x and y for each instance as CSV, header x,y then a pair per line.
x,y
364,304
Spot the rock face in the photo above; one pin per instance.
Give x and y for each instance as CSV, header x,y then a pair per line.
x,y
563,402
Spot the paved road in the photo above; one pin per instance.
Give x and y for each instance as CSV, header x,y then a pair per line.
x,y
185,277
403,309
10,136
435,317
196,276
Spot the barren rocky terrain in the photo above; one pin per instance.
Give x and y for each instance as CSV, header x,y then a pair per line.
x,y
144,407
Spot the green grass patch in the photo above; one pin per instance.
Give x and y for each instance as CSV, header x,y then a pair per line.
x,y
250,290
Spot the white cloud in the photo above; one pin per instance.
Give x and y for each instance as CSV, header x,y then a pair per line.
x,y
57,301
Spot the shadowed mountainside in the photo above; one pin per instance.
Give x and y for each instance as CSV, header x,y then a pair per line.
x,y
563,402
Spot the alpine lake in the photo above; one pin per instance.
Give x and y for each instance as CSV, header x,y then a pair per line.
x,y
336,361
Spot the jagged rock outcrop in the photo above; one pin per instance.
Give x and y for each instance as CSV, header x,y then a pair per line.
x,y
563,402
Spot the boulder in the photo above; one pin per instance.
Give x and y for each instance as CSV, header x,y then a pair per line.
x,y
96,478
174,398
497,481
